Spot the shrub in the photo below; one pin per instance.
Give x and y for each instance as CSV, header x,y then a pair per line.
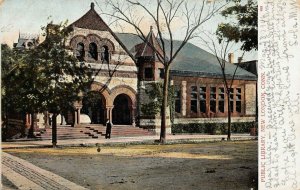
x,y
213,128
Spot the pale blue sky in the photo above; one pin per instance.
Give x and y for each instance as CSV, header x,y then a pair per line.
x,y
27,16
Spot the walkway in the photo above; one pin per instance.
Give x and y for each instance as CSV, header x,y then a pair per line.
x,y
25,175
122,140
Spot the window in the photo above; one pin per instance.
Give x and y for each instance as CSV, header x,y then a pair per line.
x,y
213,99
105,54
29,44
202,99
221,100
161,73
194,99
238,99
231,100
148,73
177,100
93,53
80,51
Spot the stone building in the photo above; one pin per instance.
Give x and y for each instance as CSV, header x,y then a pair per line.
x,y
125,66
26,41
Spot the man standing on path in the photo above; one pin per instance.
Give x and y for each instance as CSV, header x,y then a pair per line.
x,y
108,129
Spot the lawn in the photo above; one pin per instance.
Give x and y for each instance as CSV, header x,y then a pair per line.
x,y
217,165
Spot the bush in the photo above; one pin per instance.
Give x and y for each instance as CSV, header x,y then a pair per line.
x,y
213,128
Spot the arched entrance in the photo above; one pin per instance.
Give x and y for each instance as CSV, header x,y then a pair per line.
x,y
121,113
93,106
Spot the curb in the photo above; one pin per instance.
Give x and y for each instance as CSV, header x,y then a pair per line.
x,y
143,142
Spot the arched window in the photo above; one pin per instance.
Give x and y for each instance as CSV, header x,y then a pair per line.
x,y
105,54
80,51
93,51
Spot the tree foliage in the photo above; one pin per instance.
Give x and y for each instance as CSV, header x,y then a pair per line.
x,y
155,94
45,78
245,29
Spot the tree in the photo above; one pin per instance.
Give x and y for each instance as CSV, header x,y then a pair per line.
x,y
221,49
9,65
245,30
48,77
164,15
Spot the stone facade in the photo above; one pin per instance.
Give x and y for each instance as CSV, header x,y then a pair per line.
x,y
204,99
121,78
115,79
121,73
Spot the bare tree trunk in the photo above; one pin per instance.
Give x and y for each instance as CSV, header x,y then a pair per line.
x,y
4,126
54,130
229,117
164,106
31,129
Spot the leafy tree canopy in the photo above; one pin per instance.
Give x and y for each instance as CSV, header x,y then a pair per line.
x,y
47,77
245,29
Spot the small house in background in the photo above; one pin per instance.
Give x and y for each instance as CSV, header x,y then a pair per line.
x,y
27,41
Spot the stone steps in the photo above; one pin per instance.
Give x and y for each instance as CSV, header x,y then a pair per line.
x,y
92,131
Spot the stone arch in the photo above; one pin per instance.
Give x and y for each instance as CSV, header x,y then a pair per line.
x,y
124,89
103,89
122,111
94,106
94,38
77,39
109,44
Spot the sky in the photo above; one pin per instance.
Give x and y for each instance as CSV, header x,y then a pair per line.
x,y
28,16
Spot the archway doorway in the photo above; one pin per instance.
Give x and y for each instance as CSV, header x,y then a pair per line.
x,y
93,105
121,113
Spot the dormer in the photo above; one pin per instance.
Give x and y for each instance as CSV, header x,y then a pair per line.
x,y
150,67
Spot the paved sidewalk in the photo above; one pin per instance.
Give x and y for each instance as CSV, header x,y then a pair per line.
x,y
26,176
122,140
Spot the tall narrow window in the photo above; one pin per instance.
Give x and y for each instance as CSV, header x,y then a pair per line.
x,y
105,54
93,53
80,51
161,73
202,94
231,99
221,97
148,73
177,100
238,99
213,99
194,99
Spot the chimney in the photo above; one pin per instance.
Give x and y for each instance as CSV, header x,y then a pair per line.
x,y
240,59
231,58
92,6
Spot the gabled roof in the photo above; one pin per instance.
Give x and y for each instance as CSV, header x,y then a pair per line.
x,y
91,20
192,60
250,66
146,49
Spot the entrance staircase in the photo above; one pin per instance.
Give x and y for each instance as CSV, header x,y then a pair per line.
x,y
92,131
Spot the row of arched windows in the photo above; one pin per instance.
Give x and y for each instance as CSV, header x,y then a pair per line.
x,y
91,48
92,52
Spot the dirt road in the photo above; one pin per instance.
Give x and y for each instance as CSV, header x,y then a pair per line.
x,y
218,165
